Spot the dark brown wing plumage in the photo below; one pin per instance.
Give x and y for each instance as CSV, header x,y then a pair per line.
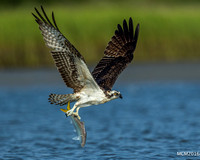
x,y
118,53
68,60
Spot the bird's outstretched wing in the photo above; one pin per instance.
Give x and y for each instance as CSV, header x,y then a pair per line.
x,y
68,60
118,53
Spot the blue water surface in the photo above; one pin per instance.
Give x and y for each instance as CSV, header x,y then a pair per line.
x,y
154,120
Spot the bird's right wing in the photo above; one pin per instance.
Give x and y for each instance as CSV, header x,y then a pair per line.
x,y
117,55
68,60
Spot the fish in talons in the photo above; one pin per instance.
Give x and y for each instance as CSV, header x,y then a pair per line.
x,y
78,125
70,112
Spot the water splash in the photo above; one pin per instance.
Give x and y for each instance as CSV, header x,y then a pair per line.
x,y
77,138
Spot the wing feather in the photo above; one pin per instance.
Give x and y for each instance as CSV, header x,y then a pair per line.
x,y
54,21
68,60
117,55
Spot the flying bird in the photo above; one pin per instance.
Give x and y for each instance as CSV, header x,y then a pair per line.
x,y
89,88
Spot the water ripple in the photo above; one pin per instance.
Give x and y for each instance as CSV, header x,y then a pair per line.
x,y
153,121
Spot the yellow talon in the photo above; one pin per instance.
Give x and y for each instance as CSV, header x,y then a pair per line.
x,y
68,108
64,110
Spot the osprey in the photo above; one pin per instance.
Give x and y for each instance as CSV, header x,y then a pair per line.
x,y
89,88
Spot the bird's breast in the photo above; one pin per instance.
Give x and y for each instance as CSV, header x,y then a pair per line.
x,y
92,99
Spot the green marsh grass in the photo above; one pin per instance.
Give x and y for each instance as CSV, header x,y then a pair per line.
x,y
166,33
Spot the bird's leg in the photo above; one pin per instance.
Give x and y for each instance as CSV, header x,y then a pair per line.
x,y
71,111
76,113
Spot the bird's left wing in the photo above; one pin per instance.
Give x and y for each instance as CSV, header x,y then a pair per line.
x,y
68,60
118,53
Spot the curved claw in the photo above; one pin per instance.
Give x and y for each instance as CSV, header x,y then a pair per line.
x,y
69,111
76,114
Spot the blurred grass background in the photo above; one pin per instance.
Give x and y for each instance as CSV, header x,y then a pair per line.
x,y
169,29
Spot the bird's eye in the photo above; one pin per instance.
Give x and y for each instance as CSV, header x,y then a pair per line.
x,y
115,94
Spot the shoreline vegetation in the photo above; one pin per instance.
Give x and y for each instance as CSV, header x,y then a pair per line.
x,y
168,33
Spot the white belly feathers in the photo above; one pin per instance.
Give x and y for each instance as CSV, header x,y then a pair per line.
x,y
91,99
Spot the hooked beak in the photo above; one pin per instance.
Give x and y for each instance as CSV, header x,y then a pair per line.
x,y
120,96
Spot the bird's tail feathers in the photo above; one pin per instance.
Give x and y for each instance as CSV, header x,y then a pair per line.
x,y
61,99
